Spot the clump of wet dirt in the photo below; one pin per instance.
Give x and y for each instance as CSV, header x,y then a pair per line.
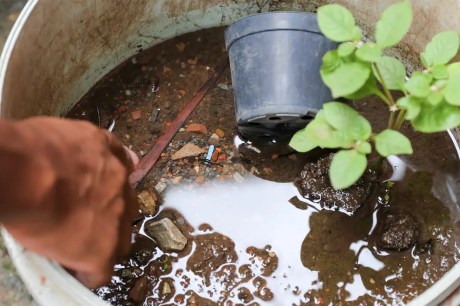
x,y
314,184
399,231
211,252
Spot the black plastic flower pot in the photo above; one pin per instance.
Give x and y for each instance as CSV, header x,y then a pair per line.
x,y
275,59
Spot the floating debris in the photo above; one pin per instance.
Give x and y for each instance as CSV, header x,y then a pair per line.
x,y
160,187
155,85
112,126
208,158
197,127
136,115
154,115
215,155
223,86
220,133
188,150
251,147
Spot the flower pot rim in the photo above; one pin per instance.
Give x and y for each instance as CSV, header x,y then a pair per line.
x,y
261,22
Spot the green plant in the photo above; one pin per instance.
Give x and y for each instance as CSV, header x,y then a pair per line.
x,y
357,69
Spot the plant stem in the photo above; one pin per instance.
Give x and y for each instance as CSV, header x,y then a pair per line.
x,y
400,119
385,88
391,122
382,96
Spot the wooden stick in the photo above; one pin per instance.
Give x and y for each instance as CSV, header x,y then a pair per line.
x,y
149,160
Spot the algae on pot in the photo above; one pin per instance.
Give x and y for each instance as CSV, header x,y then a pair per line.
x,y
430,99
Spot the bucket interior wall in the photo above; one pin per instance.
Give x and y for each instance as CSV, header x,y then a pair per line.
x,y
64,47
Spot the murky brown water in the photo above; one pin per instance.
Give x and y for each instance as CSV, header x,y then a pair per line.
x,y
259,249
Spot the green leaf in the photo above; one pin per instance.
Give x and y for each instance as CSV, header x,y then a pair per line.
x,y
364,147
419,84
347,167
369,52
323,134
393,24
434,98
452,89
439,72
411,105
302,141
391,142
337,23
441,49
346,79
392,71
344,118
331,61
437,118
366,90
346,49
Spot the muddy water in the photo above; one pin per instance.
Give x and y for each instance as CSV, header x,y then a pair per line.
x,y
253,240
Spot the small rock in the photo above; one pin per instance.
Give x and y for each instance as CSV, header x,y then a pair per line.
x,y
267,170
127,274
147,202
238,177
197,169
136,115
197,127
128,92
214,140
140,290
166,289
167,105
166,69
200,180
222,157
181,47
192,61
183,65
226,169
181,92
160,187
215,155
223,86
181,130
168,236
220,133
177,180
188,150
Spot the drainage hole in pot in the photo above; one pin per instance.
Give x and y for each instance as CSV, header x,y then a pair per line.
x,y
307,117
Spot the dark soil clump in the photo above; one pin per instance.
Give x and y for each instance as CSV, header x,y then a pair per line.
x,y
399,231
212,251
315,186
